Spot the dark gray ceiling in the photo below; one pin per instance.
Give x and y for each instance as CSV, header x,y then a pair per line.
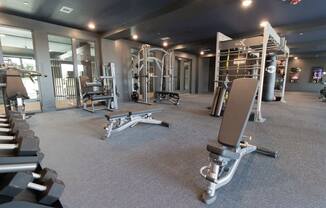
x,y
192,23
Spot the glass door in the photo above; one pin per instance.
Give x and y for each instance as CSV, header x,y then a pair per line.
x,y
62,66
18,51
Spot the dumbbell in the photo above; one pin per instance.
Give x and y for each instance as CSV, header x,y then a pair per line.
x,y
8,134
25,144
10,115
14,126
47,187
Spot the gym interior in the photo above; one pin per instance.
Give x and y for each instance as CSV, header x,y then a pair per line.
x,y
165,103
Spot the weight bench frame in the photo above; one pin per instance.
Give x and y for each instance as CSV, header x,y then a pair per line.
x,y
231,147
117,123
92,107
172,97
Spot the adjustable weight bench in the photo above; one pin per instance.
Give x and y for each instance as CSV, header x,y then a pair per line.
x,y
231,146
121,121
172,97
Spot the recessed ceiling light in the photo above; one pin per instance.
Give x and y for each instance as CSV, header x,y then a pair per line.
x,y
202,52
91,25
135,37
165,38
66,9
165,44
296,58
263,23
246,3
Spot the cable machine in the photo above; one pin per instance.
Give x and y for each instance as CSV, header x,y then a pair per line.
x,y
254,57
152,75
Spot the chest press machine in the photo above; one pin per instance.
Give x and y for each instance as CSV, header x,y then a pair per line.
x,y
103,90
123,120
226,155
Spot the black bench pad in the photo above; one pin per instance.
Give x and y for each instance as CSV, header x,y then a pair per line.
x,y
220,150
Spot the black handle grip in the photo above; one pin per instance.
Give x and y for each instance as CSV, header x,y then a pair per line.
x,y
267,152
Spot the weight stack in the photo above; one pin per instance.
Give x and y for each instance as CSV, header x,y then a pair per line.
x,y
269,78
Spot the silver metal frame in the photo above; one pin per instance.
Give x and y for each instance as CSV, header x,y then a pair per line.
x,y
165,66
109,80
268,41
120,123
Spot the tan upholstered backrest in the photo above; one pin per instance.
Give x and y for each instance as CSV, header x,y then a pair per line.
x,y
15,87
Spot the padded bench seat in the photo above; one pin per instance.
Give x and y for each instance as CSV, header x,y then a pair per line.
x,y
171,94
100,97
119,114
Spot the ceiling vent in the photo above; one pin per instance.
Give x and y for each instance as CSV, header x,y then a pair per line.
x,y
66,10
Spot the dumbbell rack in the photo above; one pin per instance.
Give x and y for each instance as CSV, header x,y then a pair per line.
x,y
11,162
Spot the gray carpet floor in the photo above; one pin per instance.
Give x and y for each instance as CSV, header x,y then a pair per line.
x,y
152,166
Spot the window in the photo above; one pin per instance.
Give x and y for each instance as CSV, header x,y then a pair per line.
x,y
18,51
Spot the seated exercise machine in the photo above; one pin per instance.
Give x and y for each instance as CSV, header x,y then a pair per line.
x,y
14,92
13,89
102,90
122,121
231,146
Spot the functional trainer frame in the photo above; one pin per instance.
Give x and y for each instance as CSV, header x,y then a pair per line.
x,y
250,61
231,146
122,121
151,68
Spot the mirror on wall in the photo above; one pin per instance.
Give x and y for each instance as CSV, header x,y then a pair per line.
x,y
18,50
182,74
63,74
86,61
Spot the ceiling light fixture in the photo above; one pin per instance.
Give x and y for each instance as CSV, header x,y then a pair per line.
x,y
26,3
165,44
135,36
246,3
300,33
296,58
91,25
263,23
66,10
202,53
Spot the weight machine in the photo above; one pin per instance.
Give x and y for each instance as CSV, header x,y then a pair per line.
x,y
251,57
13,90
101,90
152,71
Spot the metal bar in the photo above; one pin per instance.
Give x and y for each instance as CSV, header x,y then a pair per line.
x,y
285,77
36,187
12,168
259,117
